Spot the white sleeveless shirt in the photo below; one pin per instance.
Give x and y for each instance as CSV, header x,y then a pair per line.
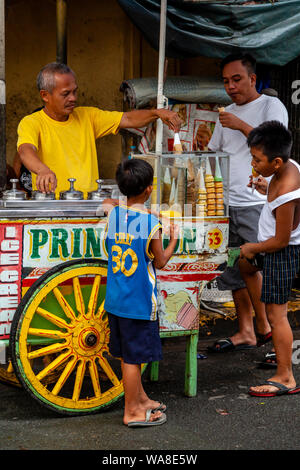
x,y
267,221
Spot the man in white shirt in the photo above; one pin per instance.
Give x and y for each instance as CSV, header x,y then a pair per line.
x,y
248,110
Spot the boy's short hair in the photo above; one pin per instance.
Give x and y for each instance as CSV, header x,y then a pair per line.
x,y
273,139
247,60
134,176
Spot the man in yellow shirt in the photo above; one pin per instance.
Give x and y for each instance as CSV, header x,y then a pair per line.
x,y
58,142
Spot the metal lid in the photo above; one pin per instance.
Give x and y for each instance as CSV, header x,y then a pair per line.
x,y
38,195
14,193
71,194
99,193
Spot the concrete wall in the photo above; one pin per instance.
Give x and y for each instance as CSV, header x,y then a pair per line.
x,y
104,48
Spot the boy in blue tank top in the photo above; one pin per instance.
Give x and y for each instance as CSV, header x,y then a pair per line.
x,y
134,248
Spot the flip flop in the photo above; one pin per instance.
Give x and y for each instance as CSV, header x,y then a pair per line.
x,y
263,339
282,390
156,422
226,345
162,407
269,361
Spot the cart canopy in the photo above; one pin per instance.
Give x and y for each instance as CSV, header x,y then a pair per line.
x,y
270,31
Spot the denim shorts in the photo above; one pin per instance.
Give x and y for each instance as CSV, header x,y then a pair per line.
x,y
135,341
243,228
279,271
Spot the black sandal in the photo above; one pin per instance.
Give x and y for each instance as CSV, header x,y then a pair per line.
x,y
226,345
263,339
269,361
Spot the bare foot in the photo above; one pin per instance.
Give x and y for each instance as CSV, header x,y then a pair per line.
x,y
289,383
239,338
148,403
139,415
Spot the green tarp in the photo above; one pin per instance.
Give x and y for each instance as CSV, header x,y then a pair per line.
x,y
269,31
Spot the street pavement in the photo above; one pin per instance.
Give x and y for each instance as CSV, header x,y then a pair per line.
x,y
221,417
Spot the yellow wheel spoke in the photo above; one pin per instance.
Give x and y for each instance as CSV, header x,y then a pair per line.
x,y
47,333
95,378
53,348
78,296
108,371
64,304
100,312
53,365
64,376
94,297
53,318
79,380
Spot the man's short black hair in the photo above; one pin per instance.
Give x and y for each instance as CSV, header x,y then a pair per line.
x,y
247,60
273,139
134,176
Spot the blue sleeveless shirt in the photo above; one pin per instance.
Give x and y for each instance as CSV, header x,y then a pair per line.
x,y
131,290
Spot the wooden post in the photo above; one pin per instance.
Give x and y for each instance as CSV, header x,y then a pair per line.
x,y
2,98
154,370
160,80
190,385
61,31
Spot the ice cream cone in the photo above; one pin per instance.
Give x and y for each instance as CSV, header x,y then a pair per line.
x,y
177,147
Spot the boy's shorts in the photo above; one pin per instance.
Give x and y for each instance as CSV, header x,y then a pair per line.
x,y
243,228
279,271
135,341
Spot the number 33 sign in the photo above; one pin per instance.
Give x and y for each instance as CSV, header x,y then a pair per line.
x,y
214,238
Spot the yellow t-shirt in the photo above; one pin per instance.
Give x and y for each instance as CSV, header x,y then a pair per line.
x,y
68,148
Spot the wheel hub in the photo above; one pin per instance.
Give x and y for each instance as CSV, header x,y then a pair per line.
x,y
89,338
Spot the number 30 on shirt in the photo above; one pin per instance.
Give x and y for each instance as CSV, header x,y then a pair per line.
x,y
119,258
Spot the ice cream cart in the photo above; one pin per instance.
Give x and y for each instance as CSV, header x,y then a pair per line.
x,y
53,328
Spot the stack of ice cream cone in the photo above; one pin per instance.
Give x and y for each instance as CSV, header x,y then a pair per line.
x,y
210,190
179,199
201,200
172,193
166,190
190,186
219,189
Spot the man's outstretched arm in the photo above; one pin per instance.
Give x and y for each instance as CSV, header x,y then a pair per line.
x,y
143,117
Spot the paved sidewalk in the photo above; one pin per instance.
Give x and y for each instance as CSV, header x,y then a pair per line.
x,y
222,416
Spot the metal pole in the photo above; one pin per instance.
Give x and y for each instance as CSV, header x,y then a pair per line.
x,y
2,98
61,31
161,63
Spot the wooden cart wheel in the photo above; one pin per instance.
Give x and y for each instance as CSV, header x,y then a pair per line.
x,y
8,376
59,340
